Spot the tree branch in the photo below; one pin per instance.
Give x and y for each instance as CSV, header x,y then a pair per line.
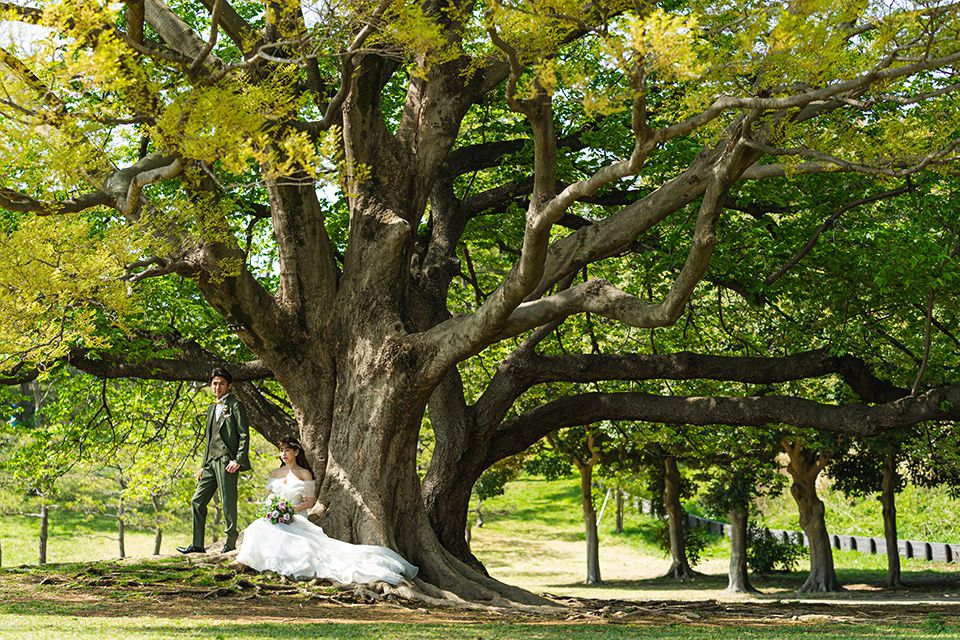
x,y
827,224
194,366
15,201
598,296
242,34
201,58
856,419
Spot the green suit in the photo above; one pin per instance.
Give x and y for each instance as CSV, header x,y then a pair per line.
x,y
227,438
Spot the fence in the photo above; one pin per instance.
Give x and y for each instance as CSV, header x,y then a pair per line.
x,y
931,551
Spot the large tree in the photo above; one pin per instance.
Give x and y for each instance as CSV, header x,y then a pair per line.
x,y
147,142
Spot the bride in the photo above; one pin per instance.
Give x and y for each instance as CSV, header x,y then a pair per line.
x,y
301,549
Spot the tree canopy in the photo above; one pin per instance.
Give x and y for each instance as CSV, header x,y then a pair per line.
x,y
370,202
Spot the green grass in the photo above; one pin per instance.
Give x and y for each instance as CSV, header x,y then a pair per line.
x,y
922,514
537,507
71,538
534,511
43,627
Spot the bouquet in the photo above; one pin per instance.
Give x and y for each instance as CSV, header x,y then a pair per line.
x,y
277,510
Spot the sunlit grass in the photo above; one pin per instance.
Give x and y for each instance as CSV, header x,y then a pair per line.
x,y
43,627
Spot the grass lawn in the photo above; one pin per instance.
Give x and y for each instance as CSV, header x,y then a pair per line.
x,y
175,598
71,538
532,536
45,627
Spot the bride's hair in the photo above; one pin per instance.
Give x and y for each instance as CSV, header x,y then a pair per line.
x,y
293,443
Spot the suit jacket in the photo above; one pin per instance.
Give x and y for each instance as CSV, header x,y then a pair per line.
x,y
234,430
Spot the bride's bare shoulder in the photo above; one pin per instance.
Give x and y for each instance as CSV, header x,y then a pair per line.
x,y
303,474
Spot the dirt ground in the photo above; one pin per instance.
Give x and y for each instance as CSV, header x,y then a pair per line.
x,y
175,588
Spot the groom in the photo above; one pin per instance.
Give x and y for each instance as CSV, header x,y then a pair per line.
x,y
227,453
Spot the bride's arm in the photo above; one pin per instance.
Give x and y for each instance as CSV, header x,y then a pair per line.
x,y
309,499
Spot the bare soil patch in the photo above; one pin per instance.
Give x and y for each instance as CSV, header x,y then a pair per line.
x,y
176,588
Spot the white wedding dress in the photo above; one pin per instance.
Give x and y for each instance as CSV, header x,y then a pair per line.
x,y
302,550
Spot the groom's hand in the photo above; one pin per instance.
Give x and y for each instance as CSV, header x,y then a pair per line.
x,y
233,466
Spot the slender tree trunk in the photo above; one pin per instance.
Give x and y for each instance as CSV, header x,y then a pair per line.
x,y
44,530
679,565
121,530
805,465
121,537
590,523
739,580
888,500
158,537
619,525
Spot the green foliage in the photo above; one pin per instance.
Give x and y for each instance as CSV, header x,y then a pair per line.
x,y
548,462
695,539
493,481
48,266
766,554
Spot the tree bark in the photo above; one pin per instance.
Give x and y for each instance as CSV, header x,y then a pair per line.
x,y
739,580
619,523
370,484
44,530
158,537
804,468
888,500
590,522
121,537
455,466
679,565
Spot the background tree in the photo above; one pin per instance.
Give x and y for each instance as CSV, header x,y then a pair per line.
x,y
743,468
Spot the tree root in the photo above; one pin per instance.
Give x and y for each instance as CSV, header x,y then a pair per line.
x,y
676,573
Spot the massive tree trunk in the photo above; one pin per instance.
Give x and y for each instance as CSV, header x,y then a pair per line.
x,y
888,495
739,581
370,483
804,467
676,521
455,466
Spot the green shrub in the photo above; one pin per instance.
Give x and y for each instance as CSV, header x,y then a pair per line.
x,y
695,540
766,554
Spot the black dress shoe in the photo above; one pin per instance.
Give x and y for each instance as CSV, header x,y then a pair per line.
x,y
227,549
191,549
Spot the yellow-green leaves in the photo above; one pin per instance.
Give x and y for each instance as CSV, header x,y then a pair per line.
x,y
57,276
665,43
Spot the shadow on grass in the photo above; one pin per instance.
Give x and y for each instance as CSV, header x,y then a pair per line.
x,y
860,583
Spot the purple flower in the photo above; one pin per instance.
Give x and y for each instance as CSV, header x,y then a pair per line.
x,y
287,518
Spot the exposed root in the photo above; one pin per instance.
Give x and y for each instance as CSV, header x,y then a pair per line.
x,y
813,585
682,574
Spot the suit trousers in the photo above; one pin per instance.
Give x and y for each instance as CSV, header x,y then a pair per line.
x,y
214,475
